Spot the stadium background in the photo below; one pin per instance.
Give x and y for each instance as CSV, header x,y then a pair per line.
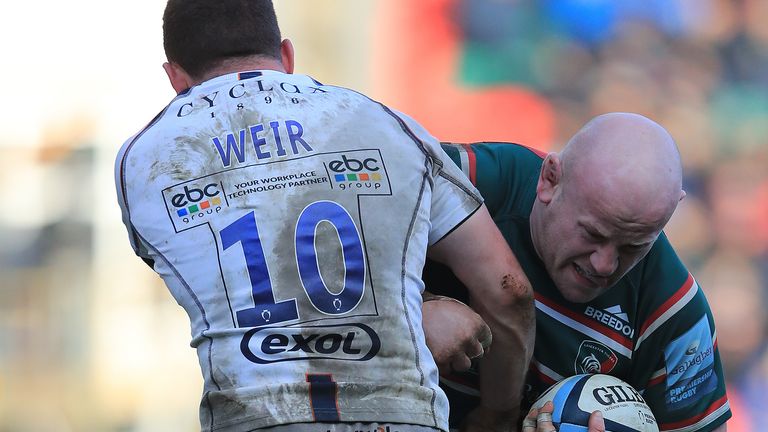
x,y
90,340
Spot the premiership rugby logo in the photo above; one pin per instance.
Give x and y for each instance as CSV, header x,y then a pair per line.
x,y
594,357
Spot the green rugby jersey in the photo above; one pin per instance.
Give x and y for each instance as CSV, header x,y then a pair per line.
x,y
654,329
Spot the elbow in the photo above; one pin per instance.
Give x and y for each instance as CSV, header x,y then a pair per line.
x,y
516,293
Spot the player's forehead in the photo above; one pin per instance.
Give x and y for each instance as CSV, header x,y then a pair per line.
x,y
616,229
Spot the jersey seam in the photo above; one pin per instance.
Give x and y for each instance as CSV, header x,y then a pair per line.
x,y
403,275
202,312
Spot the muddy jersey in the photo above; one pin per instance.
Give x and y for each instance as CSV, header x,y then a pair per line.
x,y
654,329
290,220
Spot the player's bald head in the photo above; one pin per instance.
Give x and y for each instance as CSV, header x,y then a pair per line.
x,y
629,160
603,201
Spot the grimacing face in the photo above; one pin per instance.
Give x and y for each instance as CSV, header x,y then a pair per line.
x,y
586,246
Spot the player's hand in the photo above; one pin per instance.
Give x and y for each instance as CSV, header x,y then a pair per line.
x,y
455,333
541,420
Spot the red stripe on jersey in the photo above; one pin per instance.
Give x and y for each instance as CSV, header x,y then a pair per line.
x,y
668,304
462,379
654,381
539,153
594,325
546,379
472,163
693,420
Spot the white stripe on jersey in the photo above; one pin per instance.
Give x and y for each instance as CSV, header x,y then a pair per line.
x,y
554,376
687,297
619,348
460,387
464,158
704,421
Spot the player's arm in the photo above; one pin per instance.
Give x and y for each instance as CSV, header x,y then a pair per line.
x,y
499,291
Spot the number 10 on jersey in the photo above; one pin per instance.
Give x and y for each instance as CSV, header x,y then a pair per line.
x,y
268,311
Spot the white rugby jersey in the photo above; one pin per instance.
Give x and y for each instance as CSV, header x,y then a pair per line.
x,y
290,220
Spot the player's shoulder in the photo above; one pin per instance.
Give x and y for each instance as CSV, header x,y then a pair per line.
x,y
505,161
661,272
668,293
495,149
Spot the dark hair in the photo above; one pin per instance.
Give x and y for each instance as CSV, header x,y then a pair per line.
x,y
199,33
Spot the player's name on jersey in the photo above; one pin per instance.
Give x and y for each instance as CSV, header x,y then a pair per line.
x,y
277,138
244,89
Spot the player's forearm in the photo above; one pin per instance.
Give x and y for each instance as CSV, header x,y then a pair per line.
x,y
509,312
502,295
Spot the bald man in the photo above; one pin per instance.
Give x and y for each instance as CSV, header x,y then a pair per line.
x,y
612,296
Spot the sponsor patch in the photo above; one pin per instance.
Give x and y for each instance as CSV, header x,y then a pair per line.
x,y
690,363
350,342
192,203
594,357
358,170
612,317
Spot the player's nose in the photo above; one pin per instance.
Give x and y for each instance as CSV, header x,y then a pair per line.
x,y
604,260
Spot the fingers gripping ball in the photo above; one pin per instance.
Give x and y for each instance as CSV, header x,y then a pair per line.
x,y
576,397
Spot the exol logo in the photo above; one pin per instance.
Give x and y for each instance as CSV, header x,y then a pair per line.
x,y
356,173
594,357
196,202
350,342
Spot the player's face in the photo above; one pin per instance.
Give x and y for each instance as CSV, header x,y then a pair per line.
x,y
587,246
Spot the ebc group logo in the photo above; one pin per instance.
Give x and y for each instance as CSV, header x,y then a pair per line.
x,y
357,170
193,200
191,203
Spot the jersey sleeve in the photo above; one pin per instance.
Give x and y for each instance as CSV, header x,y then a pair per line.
x,y
676,351
500,171
454,197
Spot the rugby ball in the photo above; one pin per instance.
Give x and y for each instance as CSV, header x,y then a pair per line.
x,y
576,397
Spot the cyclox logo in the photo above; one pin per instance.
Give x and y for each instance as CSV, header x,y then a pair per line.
x,y
351,342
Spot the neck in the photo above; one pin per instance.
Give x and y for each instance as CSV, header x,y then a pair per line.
x,y
240,64
534,226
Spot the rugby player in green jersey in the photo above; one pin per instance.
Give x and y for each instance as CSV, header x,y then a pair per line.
x,y
611,294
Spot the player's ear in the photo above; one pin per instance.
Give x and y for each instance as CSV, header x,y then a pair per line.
x,y
179,78
287,55
549,177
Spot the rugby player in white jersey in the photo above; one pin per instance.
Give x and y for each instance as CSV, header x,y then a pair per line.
x,y
291,220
